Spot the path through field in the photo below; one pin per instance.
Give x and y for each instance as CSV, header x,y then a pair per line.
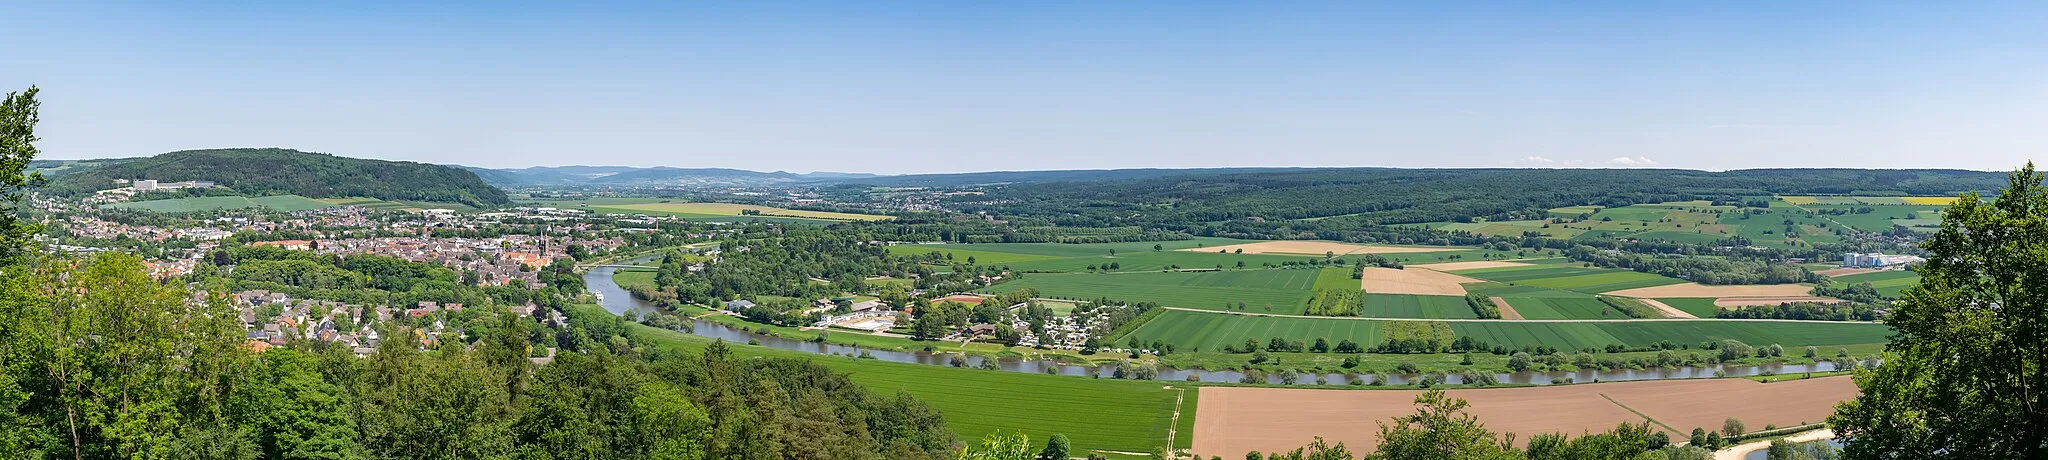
x,y
1668,310
1508,313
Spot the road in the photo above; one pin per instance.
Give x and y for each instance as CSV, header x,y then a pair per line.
x,y
1741,450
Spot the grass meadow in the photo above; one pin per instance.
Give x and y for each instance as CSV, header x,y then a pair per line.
x,y
1113,415
1285,290
1889,283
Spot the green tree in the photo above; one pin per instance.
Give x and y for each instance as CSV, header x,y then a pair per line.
x,y
1440,430
19,113
1000,446
1056,448
1966,374
1732,427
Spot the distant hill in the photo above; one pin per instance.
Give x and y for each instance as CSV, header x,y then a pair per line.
x,y
273,171
633,176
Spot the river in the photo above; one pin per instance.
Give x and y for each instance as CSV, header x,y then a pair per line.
x,y
617,300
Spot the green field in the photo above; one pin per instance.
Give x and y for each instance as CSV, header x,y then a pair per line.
x,y
1140,256
1889,283
216,203
1697,306
1212,331
1285,290
1571,278
1115,415
1564,308
1788,222
1416,306
630,278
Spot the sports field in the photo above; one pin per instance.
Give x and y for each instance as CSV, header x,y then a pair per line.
x,y
1112,415
215,203
1189,330
1231,420
1286,291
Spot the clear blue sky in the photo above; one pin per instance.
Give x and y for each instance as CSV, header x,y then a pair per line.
x,y
898,87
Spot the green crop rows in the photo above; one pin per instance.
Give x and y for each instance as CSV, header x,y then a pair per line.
x,y
1212,331
1286,291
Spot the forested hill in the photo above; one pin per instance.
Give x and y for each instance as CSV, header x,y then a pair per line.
x,y
1392,196
631,176
272,171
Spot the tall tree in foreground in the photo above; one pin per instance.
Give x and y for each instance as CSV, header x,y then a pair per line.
x,y
18,116
1965,374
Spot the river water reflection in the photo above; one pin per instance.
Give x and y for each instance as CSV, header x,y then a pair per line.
x,y
617,300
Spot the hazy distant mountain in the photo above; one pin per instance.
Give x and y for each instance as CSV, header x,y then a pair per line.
x,y
273,171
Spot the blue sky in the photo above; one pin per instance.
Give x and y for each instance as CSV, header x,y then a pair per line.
x,y
898,87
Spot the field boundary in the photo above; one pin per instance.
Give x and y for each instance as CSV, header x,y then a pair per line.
x,y
1507,312
1668,310
1637,412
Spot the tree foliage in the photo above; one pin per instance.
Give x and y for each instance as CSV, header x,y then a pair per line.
x,y
1964,376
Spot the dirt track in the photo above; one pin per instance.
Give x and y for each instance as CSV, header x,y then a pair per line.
x,y
1232,420
1379,280
1668,310
1453,266
1702,290
1506,312
1843,271
1316,248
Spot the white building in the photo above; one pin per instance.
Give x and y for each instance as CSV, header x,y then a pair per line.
x,y
144,185
1878,260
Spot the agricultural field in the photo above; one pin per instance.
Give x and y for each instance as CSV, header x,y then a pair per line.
x,y
216,203
1140,256
1889,283
1109,415
1698,306
1314,247
1286,291
1570,278
1190,330
1788,222
1563,307
1416,306
1233,420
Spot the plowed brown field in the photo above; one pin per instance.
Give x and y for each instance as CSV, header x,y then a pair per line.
x,y
1230,421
